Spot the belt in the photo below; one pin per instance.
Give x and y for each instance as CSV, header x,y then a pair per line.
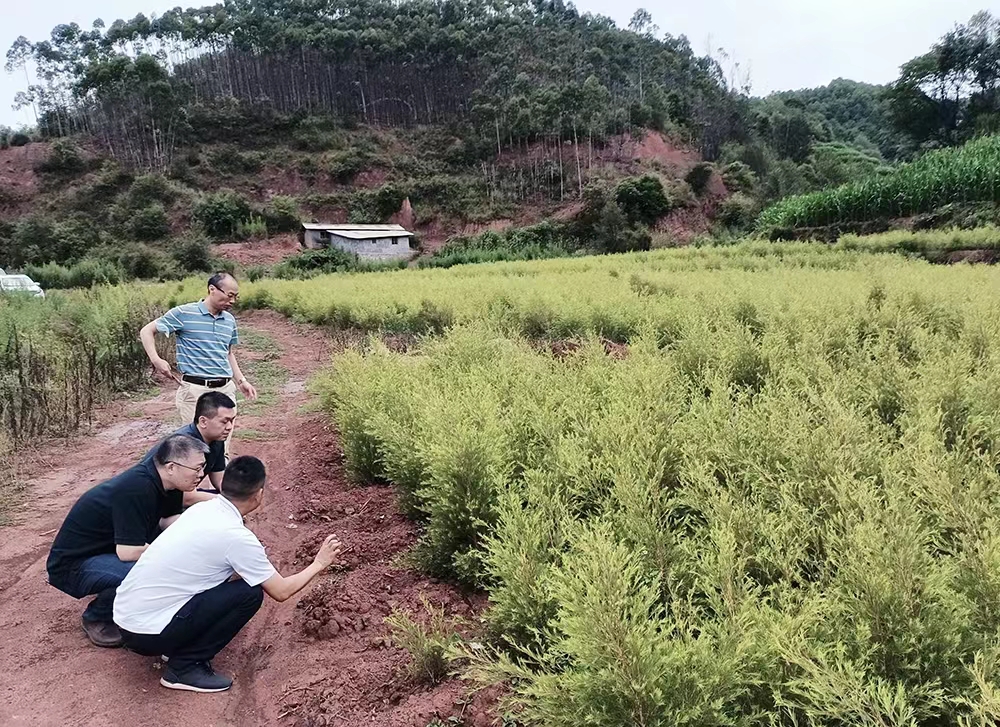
x,y
208,383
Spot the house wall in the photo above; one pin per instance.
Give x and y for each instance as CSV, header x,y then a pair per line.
x,y
381,248
313,239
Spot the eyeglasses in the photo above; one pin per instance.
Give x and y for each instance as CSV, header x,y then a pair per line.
x,y
232,296
199,468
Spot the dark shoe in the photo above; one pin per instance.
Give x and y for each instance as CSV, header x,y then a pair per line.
x,y
199,678
103,633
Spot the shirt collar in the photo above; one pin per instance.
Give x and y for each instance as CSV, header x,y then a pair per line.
x,y
154,475
205,311
229,507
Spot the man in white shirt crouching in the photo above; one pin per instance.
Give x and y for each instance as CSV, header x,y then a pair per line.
x,y
200,582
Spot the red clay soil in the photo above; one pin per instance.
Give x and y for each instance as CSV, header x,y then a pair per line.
x,y
260,252
18,181
323,658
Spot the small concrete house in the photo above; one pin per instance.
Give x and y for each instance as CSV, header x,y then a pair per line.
x,y
378,242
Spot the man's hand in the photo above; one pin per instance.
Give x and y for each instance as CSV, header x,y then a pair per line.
x,y
328,553
247,388
162,367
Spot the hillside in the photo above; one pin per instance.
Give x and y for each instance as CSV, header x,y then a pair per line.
x,y
513,130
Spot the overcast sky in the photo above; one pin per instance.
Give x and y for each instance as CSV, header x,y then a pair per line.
x,y
786,44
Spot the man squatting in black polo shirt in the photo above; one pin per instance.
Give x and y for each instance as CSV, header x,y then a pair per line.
x,y
111,525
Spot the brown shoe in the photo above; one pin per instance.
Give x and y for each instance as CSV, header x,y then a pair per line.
x,y
103,633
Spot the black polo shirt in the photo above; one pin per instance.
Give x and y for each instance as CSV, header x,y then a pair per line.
x,y
125,510
215,458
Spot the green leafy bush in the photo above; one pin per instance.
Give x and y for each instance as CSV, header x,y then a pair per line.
x,y
283,214
220,213
64,158
149,223
699,177
642,199
193,254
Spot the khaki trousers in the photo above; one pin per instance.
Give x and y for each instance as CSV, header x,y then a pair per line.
x,y
187,399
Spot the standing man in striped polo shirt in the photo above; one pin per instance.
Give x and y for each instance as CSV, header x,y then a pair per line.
x,y
206,334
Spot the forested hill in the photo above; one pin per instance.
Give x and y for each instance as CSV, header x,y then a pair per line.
x,y
511,70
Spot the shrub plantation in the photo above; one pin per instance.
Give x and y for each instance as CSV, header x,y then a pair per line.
x,y
778,505
62,356
969,173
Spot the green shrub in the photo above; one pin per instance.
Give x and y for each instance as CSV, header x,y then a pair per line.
x,y
738,211
699,177
316,133
19,138
343,166
377,205
146,190
315,262
282,214
642,199
148,223
228,159
970,173
84,274
193,254
64,158
739,177
220,213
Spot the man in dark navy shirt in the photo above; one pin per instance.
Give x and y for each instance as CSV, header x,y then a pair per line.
x,y
113,523
214,419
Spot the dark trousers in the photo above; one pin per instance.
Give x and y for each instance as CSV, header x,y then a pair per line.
x,y
100,574
203,626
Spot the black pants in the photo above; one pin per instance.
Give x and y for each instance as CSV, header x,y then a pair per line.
x,y
203,626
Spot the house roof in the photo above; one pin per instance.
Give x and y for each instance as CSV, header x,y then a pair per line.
x,y
360,232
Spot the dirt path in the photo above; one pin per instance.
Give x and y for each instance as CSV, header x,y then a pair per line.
x,y
320,659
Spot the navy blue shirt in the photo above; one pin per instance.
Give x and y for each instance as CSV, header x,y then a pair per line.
x,y
215,458
125,510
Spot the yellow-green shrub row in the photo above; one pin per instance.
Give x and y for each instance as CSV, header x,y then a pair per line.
x,y
780,505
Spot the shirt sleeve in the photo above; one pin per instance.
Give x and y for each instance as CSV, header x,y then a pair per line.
x,y
246,556
235,337
131,513
170,322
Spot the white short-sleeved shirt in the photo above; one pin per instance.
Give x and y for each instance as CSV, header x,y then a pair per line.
x,y
202,549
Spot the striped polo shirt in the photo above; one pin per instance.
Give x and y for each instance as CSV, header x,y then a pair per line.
x,y
203,340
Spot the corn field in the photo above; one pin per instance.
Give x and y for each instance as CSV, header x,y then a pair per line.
x,y
970,173
62,357
777,505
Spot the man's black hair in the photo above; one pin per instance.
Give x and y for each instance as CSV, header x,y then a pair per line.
x,y
210,402
244,477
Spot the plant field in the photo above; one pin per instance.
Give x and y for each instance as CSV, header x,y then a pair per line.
x,y
777,505
614,297
969,173
61,357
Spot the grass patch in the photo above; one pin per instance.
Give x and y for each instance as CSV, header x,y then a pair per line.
x,y
268,378
428,640
260,343
11,487
252,435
